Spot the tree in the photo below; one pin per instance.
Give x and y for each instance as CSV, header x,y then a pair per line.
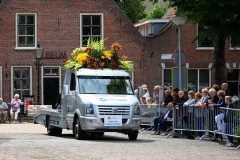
x,y
221,18
134,9
157,12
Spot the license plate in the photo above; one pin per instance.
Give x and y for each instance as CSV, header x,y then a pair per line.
x,y
114,127
113,120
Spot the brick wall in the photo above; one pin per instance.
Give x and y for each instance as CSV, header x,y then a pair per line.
x,y
58,29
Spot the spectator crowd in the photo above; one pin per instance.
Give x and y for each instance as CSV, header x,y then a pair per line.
x,y
214,96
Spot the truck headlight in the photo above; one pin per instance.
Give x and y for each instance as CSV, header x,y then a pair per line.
x,y
136,110
89,109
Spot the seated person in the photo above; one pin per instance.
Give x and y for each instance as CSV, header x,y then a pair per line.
x,y
161,123
3,110
15,105
168,98
143,100
150,102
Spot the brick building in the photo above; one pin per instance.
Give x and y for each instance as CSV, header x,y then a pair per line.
x,y
59,27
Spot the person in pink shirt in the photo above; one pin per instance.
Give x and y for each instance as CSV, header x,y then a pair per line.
x,y
15,106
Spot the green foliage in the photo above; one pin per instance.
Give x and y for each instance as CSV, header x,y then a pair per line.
x,y
221,17
134,9
117,86
157,12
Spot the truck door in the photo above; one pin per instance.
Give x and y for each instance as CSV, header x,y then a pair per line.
x,y
71,100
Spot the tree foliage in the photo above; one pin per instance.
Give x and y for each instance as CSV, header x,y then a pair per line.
x,y
221,17
135,10
157,12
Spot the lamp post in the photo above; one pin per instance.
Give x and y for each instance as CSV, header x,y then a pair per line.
x,y
179,21
38,53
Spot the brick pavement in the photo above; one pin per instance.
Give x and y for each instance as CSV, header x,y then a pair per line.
x,y
29,141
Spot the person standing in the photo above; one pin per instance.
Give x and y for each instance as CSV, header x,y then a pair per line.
x,y
3,110
155,94
228,120
15,106
224,87
168,98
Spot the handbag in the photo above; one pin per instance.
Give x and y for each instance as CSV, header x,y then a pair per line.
x,y
14,110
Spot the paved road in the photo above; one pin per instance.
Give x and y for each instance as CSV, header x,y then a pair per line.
x,y
29,141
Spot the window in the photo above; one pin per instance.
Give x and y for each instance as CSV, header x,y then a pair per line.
x,y
21,81
25,30
91,25
235,43
51,71
207,42
198,79
167,78
105,85
73,82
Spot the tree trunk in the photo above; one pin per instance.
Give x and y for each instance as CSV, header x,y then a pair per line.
x,y
219,59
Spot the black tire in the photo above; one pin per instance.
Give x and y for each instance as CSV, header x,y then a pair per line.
x,y
79,133
94,134
132,135
100,134
53,131
50,131
58,131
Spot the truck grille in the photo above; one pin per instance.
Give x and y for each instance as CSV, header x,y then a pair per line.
x,y
116,110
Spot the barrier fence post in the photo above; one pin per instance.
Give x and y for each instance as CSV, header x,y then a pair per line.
x,y
207,135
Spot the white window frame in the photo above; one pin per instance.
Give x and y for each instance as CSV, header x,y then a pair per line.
x,y
49,76
202,48
209,72
102,25
232,48
16,32
1,89
30,76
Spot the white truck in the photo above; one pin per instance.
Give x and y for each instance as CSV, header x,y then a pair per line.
x,y
94,101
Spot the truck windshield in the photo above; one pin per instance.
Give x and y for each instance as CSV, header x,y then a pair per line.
x,y
105,85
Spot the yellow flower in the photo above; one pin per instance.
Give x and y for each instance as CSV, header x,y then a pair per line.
x,y
81,57
107,54
102,57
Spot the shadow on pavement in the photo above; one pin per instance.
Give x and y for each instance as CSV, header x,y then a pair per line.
x,y
106,138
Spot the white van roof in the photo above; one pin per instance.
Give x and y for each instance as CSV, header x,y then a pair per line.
x,y
101,72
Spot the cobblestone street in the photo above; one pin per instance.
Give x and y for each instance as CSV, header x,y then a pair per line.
x,y
30,141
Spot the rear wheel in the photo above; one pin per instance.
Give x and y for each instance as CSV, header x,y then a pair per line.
x,y
132,135
53,131
79,133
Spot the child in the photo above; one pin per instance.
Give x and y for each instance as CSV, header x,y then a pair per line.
x,y
228,120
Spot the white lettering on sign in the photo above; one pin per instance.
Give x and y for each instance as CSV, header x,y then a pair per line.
x,y
165,56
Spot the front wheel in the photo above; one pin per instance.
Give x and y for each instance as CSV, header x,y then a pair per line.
x,y
79,133
132,135
100,134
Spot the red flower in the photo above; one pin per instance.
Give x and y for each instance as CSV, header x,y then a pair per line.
x,y
65,61
88,49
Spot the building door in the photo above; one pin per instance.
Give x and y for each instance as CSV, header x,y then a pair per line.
x,y
51,85
233,81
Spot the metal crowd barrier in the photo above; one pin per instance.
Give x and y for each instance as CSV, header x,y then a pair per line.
x,y
188,118
203,120
232,126
148,112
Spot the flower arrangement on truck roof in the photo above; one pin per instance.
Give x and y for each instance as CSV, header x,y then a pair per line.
x,y
95,57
